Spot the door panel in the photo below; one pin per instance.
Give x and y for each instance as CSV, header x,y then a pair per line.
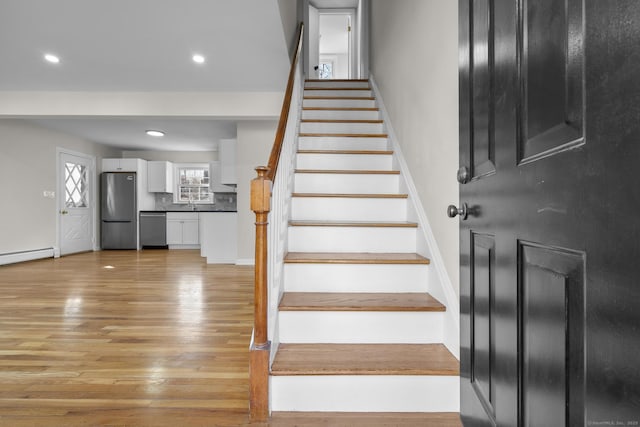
x,y
482,69
483,320
549,98
552,64
551,331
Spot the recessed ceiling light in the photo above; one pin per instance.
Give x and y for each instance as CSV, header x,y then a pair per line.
x,y
156,133
49,57
198,59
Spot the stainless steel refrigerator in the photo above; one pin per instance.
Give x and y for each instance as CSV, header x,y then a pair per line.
x,y
118,211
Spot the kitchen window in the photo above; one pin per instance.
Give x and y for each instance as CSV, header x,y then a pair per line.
x,y
192,183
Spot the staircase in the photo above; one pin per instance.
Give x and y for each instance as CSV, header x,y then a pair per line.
x,y
356,330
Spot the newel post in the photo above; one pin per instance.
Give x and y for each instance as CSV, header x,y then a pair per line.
x,y
260,346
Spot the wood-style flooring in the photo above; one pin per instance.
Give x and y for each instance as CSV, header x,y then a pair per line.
x,y
126,338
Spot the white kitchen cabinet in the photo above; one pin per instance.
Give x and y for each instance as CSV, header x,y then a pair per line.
x,y
160,177
121,165
182,229
216,183
227,158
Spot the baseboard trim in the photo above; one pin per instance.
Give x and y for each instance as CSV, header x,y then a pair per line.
x,y
246,261
22,256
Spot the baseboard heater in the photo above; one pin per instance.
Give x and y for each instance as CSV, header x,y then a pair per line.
x,y
22,256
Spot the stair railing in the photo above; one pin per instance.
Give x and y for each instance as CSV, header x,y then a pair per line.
x,y
270,201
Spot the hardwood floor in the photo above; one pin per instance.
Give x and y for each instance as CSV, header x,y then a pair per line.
x,y
126,338
159,339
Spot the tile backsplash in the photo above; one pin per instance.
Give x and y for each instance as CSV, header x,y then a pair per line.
x,y
223,202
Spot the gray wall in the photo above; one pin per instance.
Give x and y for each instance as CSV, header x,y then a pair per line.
x,y
28,162
255,139
414,60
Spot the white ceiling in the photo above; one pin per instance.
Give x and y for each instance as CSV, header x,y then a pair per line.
x,y
143,46
129,133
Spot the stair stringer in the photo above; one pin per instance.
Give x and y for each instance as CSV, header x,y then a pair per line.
x,y
440,285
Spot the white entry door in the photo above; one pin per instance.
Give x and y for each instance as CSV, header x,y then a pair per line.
x,y
76,202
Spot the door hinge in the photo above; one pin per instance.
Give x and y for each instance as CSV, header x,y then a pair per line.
x,y
349,28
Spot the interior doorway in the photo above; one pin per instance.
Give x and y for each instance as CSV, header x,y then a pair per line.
x,y
336,39
336,50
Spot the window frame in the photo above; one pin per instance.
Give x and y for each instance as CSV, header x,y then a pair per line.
x,y
177,168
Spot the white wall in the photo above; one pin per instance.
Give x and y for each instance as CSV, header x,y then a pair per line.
x,y
340,64
255,139
221,105
289,16
414,60
173,156
28,163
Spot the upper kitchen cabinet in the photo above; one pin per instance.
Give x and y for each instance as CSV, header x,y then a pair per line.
x,y
121,165
160,177
227,157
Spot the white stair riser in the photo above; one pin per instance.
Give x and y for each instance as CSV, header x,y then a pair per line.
x,y
352,239
350,128
340,93
338,143
365,393
340,115
345,161
335,83
346,183
342,103
345,209
355,278
360,327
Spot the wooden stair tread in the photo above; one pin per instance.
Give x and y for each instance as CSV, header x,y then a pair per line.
x,y
336,80
349,171
344,135
354,258
377,224
338,301
352,196
340,109
341,121
350,98
374,152
364,359
335,88
365,419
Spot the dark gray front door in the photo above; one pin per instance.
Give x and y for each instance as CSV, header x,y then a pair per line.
x,y
550,252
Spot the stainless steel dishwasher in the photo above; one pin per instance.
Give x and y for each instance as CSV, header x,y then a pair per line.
x,y
153,229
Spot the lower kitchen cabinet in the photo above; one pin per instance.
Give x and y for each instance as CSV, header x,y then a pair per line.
x,y
183,229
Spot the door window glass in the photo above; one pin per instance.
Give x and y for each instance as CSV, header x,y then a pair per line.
x,y
75,184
